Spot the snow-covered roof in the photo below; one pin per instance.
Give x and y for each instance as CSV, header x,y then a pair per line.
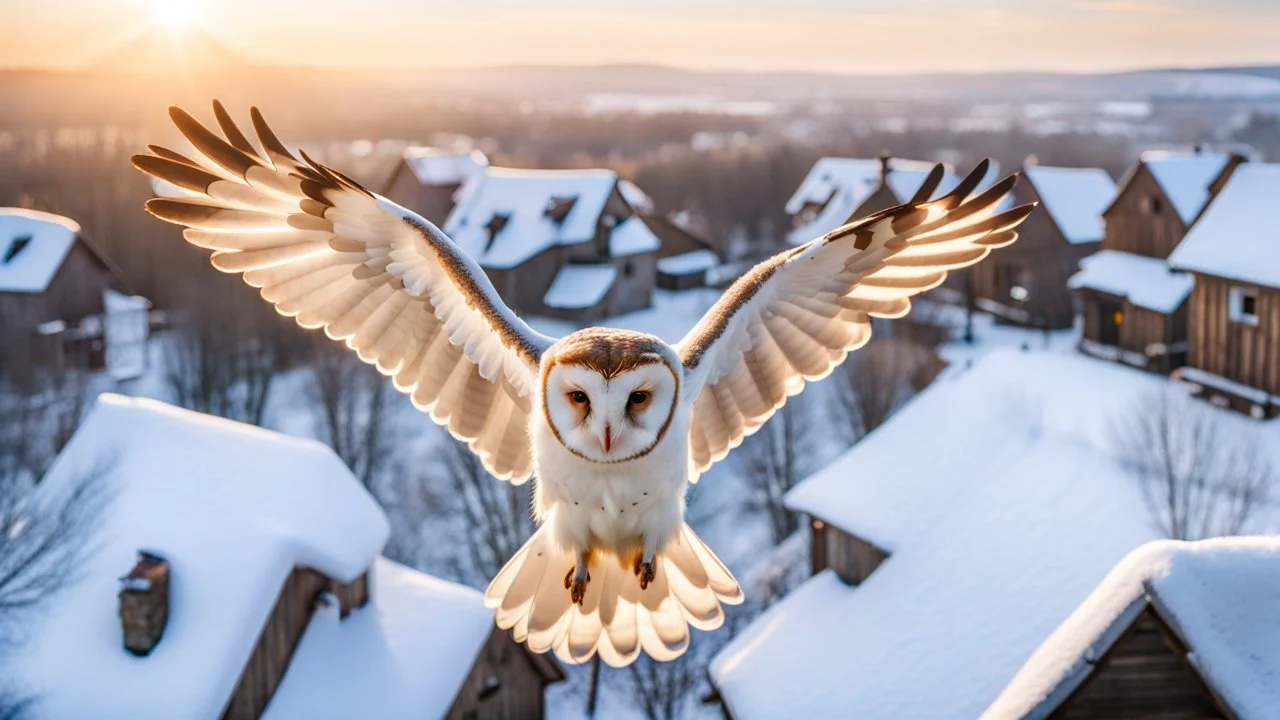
x,y
1235,238
437,166
576,287
1146,281
633,236
33,246
1220,596
1074,199
694,261
404,655
523,197
1185,177
635,197
841,185
1001,508
234,509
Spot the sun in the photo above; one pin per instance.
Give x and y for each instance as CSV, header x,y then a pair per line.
x,y
176,14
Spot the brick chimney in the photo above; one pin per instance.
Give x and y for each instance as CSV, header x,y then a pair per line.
x,y
144,603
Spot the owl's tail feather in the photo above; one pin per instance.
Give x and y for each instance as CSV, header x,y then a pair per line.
x,y
616,619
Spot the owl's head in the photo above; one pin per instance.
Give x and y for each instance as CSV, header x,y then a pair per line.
x,y
610,395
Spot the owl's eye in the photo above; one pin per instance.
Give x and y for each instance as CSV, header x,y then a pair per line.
x,y
577,397
638,397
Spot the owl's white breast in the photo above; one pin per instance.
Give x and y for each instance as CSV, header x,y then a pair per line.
x,y
612,503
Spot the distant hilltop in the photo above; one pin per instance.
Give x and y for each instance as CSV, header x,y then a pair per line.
x,y
163,51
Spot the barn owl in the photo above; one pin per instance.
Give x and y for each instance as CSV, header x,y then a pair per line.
x,y
613,424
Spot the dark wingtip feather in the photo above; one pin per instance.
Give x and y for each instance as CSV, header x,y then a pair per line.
x,y
930,184
229,128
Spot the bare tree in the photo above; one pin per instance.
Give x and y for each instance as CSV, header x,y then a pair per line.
x,y
37,420
223,358
878,379
774,460
1198,479
350,402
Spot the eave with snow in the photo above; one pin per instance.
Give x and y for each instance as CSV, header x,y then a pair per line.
x,y
547,238
1026,283
276,602
63,301
428,179
1234,310
1176,629
1133,304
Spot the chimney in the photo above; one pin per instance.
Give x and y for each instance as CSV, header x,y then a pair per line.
x,y
885,157
144,603
1195,149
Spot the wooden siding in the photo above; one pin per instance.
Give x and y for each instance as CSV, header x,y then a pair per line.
x,y
506,682
1246,354
1158,339
1144,676
280,636
1044,259
433,202
851,557
1142,221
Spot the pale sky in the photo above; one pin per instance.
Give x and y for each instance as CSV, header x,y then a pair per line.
x,y
845,36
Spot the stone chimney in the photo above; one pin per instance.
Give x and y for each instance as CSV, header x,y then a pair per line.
x,y
885,157
144,603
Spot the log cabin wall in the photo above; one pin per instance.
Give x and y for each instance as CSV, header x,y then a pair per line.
x,y
851,557
281,634
506,682
433,202
1043,254
1144,676
1141,220
1244,353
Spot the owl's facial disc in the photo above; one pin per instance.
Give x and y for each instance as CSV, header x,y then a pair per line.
x,y
614,419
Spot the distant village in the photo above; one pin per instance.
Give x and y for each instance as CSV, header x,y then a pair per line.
x,y
988,550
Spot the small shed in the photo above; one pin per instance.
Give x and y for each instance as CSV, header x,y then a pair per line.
x,y
1132,302
55,288
427,179
278,601
1233,321
1176,630
1026,283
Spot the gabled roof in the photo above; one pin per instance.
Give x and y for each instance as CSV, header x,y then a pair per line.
x,y
234,509
1001,508
1074,198
436,166
1235,238
577,287
1184,177
841,185
1219,596
33,246
1146,281
524,196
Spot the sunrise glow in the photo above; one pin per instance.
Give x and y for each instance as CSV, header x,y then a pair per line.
x,y
176,14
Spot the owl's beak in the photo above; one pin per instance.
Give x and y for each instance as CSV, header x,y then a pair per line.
x,y
608,439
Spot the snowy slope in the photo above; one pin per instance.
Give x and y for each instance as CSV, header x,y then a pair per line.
x,y
1221,596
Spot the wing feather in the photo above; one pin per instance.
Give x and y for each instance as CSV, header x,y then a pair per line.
x,y
388,284
795,317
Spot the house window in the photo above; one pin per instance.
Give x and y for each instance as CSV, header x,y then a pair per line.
x,y
1014,282
19,244
628,269
1151,205
1117,317
1242,306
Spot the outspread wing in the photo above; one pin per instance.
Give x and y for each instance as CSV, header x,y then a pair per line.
x,y
795,317
387,283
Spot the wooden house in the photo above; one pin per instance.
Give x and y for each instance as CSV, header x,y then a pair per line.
x,y
1026,283
838,190
560,243
427,179
1132,303
1233,315
53,282
260,593
1176,630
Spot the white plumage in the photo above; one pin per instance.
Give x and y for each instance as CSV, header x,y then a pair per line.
x,y
614,424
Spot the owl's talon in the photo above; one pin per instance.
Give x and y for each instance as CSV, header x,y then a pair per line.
x,y
577,586
645,571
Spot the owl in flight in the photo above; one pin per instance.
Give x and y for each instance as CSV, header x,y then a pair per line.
x,y
614,424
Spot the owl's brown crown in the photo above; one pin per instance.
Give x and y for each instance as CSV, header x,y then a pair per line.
x,y
608,351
